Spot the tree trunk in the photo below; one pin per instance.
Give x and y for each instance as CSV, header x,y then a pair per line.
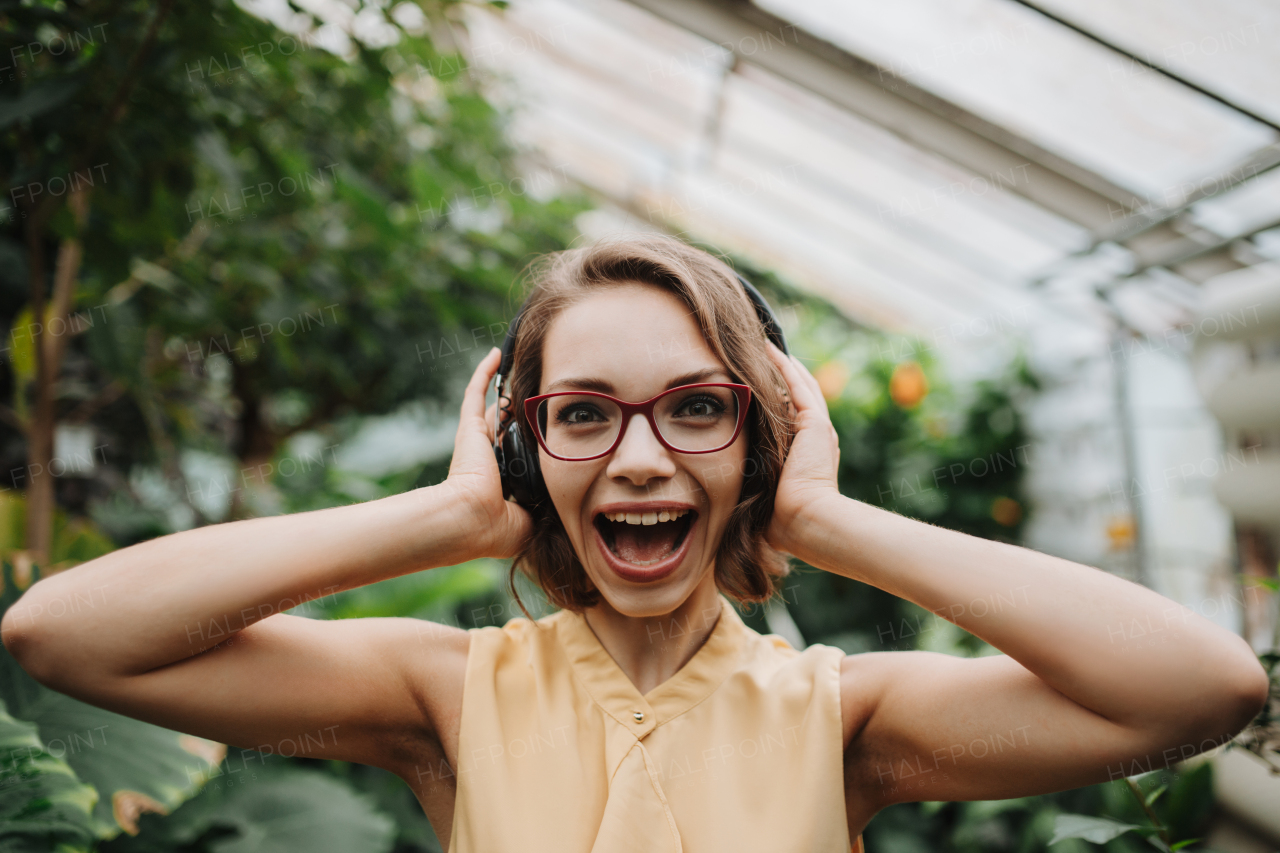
x,y
49,342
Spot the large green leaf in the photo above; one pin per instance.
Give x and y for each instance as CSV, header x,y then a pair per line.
x,y
273,809
134,765
300,810
43,806
1099,830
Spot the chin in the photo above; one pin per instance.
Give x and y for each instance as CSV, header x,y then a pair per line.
x,y
656,600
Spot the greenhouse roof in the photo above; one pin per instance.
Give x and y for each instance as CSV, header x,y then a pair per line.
x,y
923,162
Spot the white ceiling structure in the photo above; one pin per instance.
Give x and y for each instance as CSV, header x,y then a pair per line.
x,y
922,162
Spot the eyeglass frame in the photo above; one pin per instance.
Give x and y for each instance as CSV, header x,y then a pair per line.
x,y
742,392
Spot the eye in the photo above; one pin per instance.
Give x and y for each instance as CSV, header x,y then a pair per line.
x,y
580,413
700,407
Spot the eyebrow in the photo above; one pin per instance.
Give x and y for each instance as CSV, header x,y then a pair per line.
x,y
603,386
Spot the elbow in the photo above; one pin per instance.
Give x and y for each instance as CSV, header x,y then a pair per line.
x,y
24,640
1232,705
1253,691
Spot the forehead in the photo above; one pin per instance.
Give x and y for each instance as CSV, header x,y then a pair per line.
x,y
635,336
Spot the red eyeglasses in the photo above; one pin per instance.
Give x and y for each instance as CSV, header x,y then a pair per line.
x,y
575,426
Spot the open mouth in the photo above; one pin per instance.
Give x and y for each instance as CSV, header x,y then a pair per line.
x,y
643,539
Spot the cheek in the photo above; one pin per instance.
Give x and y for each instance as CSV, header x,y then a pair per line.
x,y
722,477
567,483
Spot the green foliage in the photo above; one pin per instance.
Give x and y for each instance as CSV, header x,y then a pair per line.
x,y
75,540
273,808
1099,830
117,758
277,238
123,757
1109,815
43,806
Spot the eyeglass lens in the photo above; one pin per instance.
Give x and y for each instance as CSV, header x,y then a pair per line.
x,y
578,426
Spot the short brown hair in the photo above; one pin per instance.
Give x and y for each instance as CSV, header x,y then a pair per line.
x,y
746,567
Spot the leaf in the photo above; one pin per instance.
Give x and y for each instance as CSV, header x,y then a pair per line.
x,y
1189,804
1099,830
40,98
1155,795
43,805
112,752
135,766
22,347
1179,845
273,809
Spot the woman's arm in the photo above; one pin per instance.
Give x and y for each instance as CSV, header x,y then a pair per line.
x,y
1100,672
187,630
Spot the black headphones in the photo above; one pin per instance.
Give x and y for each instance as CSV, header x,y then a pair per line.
x,y
517,461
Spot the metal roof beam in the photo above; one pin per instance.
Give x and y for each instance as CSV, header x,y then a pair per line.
x,y
1151,66
915,115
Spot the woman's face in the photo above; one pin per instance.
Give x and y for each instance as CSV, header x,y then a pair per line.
x,y
634,341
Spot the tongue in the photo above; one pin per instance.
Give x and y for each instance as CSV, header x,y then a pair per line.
x,y
644,543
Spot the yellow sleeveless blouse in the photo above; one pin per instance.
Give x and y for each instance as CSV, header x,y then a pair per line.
x,y
740,750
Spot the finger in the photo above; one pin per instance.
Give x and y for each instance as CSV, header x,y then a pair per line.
x,y
473,398
807,375
812,382
488,421
779,361
802,396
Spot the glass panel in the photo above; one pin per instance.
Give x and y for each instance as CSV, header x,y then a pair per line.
x,y
1043,81
1253,204
1229,47
646,116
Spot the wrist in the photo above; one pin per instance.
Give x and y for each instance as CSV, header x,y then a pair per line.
x,y
809,534
443,528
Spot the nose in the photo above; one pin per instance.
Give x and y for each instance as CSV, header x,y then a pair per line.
x,y
640,457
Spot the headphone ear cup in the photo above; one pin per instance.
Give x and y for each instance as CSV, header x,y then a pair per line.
x,y
522,473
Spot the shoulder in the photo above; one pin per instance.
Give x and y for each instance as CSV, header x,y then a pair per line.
x,y
781,669
456,649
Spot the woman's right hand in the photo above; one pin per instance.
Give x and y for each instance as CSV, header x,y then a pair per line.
x,y
501,527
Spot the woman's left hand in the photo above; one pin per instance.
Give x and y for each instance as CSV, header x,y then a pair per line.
x,y
809,475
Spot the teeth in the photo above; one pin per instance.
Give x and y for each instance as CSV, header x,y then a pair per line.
x,y
647,517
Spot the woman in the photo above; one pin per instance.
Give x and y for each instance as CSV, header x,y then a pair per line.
x,y
644,715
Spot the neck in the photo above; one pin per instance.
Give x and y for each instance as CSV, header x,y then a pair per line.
x,y
651,649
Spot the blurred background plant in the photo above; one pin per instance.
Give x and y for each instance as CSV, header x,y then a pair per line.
x,y
246,266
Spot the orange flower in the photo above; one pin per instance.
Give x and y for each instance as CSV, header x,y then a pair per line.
x,y
832,377
1006,511
908,385
1121,532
